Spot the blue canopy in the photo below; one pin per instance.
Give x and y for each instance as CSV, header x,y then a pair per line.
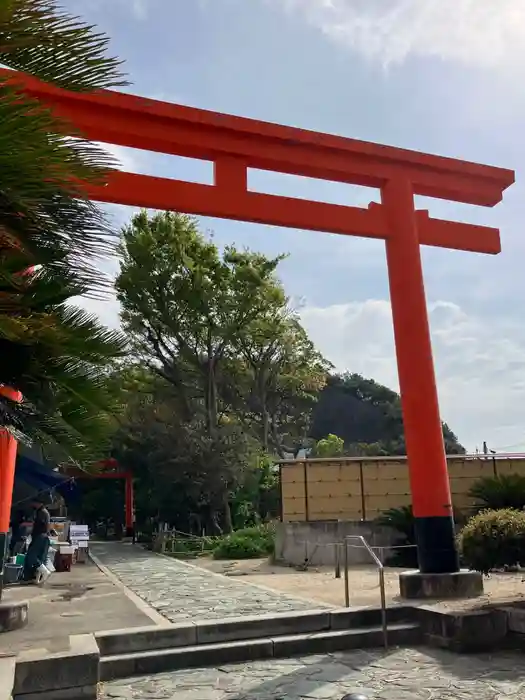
x,y
40,476
34,475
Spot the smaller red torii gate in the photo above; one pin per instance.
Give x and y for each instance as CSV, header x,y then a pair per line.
x,y
111,470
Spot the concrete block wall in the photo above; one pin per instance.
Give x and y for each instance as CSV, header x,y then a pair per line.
x,y
316,541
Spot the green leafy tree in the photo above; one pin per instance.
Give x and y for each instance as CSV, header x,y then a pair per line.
x,y
184,307
285,375
181,472
330,446
367,416
257,498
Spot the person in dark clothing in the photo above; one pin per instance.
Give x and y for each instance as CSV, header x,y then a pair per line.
x,y
18,533
39,547
41,520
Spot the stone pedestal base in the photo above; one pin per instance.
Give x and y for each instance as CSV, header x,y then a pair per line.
x,y
463,584
13,615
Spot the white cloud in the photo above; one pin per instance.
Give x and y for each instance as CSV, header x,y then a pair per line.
x,y
480,367
489,33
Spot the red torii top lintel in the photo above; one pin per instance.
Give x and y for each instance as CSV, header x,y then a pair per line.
x,y
235,144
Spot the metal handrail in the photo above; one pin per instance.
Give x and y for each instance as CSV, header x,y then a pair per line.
x,y
381,570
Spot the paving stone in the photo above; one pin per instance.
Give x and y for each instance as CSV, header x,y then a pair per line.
x,y
181,592
400,674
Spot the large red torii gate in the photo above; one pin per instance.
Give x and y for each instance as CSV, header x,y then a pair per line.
x,y
235,144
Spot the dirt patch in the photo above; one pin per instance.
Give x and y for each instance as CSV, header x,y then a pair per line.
x,y
319,584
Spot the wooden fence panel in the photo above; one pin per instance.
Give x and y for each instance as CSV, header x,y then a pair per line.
x,y
363,488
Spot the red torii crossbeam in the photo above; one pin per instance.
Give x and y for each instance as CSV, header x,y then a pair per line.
x,y
235,144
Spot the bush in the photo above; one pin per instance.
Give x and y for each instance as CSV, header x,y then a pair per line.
x,y
263,535
402,521
330,446
493,539
497,492
249,543
237,547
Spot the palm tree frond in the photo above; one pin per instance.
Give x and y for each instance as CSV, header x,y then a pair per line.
x,y
37,37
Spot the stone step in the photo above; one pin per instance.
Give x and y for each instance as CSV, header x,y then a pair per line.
x,y
201,655
7,675
243,628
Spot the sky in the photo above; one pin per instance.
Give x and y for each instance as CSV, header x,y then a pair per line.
x,y
441,76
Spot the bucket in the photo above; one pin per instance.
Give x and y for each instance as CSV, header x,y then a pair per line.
x,y
42,574
20,559
49,564
12,573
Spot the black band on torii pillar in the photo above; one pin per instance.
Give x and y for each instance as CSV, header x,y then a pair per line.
x,y
437,550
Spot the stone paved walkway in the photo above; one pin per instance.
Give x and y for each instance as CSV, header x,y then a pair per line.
x,y
405,674
183,592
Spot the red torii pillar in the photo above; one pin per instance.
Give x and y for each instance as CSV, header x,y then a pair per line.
x,y
235,144
129,506
8,446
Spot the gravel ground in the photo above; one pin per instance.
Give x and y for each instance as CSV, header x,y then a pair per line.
x,y
320,584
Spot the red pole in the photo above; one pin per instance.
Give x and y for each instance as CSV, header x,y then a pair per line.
x,y
429,482
8,446
129,504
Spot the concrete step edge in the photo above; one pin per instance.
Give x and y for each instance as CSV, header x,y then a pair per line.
x,y
244,628
161,660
